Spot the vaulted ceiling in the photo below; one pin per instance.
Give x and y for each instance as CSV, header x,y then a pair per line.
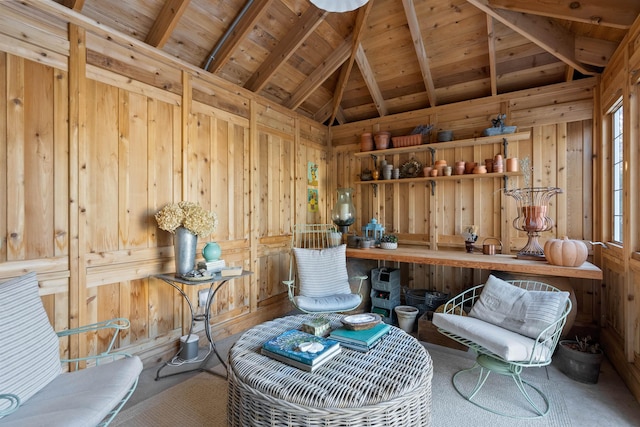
x,y
389,56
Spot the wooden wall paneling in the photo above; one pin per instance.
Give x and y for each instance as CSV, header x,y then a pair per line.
x,y
4,147
61,163
15,159
132,170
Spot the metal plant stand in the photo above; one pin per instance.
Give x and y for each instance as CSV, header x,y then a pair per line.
x,y
533,207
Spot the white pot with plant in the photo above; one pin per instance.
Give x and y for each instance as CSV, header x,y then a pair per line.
x,y
389,241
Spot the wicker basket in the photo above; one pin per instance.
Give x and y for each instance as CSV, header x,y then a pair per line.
x,y
406,141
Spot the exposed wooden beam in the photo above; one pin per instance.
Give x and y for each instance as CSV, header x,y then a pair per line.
x,y
239,34
370,80
76,5
610,13
165,22
594,51
345,71
306,25
421,52
543,31
320,74
493,72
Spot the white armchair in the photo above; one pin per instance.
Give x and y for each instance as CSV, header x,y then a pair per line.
x,y
511,325
34,391
318,280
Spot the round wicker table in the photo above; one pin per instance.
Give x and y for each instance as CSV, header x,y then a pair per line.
x,y
389,385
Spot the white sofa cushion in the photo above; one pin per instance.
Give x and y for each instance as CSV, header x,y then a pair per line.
x,y
29,347
508,345
518,310
337,302
322,272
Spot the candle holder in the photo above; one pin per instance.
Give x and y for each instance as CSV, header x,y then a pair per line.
x,y
344,213
533,206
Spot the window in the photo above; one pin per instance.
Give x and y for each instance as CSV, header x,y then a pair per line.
x,y
617,173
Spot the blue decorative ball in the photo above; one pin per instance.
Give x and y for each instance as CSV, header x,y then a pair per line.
x,y
211,251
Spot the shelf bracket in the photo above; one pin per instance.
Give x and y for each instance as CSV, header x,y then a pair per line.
x,y
375,160
506,182
433,187
433,155
375,190
505,144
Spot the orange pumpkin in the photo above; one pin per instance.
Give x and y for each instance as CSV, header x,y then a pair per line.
x,y
565,252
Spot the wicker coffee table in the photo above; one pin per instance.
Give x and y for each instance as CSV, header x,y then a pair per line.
x,y
388,386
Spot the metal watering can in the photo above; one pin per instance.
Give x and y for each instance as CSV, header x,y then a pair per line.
x,y
490,248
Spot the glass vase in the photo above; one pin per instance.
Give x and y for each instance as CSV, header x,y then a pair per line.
x,y
344,213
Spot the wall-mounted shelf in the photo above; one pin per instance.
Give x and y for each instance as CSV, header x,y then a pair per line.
x,y
482,140
440,178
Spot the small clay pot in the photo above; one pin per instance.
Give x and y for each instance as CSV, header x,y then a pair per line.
x,y
434,172
488,163
469,167
366,142
382,140
512,164
459,170
426,171
480,169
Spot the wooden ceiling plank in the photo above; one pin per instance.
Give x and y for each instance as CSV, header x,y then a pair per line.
x,y
594,51
612,13
544,32
239,34
165,22
492,56
345,72
322,73
76,5
370,80
421,52
306,25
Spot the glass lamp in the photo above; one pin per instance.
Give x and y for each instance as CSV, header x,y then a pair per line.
x,y
344,213
339,5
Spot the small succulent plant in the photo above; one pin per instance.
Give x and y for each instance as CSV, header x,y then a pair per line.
x,y
389,238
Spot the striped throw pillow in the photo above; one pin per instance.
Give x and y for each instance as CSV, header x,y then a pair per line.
x,y
322,272
29,347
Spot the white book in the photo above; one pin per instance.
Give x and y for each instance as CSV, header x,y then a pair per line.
x,y
231,271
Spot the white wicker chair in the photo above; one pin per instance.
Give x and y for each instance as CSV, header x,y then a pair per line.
x,y
35,391
501,343
318,280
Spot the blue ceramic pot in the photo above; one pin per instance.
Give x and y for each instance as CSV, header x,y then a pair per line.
x,y
211,251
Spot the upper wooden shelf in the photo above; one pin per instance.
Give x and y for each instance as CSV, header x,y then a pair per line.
x,y
440,178
449,144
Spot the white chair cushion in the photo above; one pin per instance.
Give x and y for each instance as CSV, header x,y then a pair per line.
x,y
80,398
508,345
518,310
29,347
322,272
338,302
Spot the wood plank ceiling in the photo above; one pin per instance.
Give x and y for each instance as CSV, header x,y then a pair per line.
x,y
387,57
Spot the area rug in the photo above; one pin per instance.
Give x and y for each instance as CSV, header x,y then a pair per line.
x,y
201,400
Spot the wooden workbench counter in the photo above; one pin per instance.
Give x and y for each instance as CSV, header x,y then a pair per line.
x,y
450,258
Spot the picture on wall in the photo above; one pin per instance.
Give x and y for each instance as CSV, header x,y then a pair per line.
x,y
312,174
312,199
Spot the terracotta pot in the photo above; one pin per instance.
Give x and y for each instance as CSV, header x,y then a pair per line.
x,y
534,217
480,169
426,171
459,170
382,140
366,142
512,164
488,163
469,167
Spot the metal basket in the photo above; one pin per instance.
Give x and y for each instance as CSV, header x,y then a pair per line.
x,y
425,300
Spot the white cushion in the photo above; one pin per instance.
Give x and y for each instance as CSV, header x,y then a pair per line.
x,y
322,272
508,345
29,347
338,302
518,310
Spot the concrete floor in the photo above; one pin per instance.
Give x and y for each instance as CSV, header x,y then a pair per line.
x,y
608,403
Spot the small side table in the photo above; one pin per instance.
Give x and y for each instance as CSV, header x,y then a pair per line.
x,y
215,283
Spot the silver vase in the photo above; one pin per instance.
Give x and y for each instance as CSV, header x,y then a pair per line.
x,y
184,244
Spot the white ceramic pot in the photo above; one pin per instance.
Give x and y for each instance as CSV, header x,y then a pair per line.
x,y
388,245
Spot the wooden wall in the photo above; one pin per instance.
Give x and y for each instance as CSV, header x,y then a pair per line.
x,y
98,133
560,150
620,320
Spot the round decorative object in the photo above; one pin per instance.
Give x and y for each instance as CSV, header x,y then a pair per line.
x,y
565,252
411,169
211,251
388,245
359,322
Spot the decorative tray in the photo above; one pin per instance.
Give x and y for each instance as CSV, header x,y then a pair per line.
x,y
358,322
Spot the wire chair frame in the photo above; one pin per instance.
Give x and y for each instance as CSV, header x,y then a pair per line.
x,y
488,362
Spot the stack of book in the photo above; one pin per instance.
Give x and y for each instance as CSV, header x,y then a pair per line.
x,y
362,340
212,266
301,350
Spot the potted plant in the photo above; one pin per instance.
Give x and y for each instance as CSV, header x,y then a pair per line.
x,y
580,359
389,241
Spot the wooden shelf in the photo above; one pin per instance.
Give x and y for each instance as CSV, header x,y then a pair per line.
x,y
482,140
441,178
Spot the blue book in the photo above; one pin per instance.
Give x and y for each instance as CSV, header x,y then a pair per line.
x,y
301,347
364,337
